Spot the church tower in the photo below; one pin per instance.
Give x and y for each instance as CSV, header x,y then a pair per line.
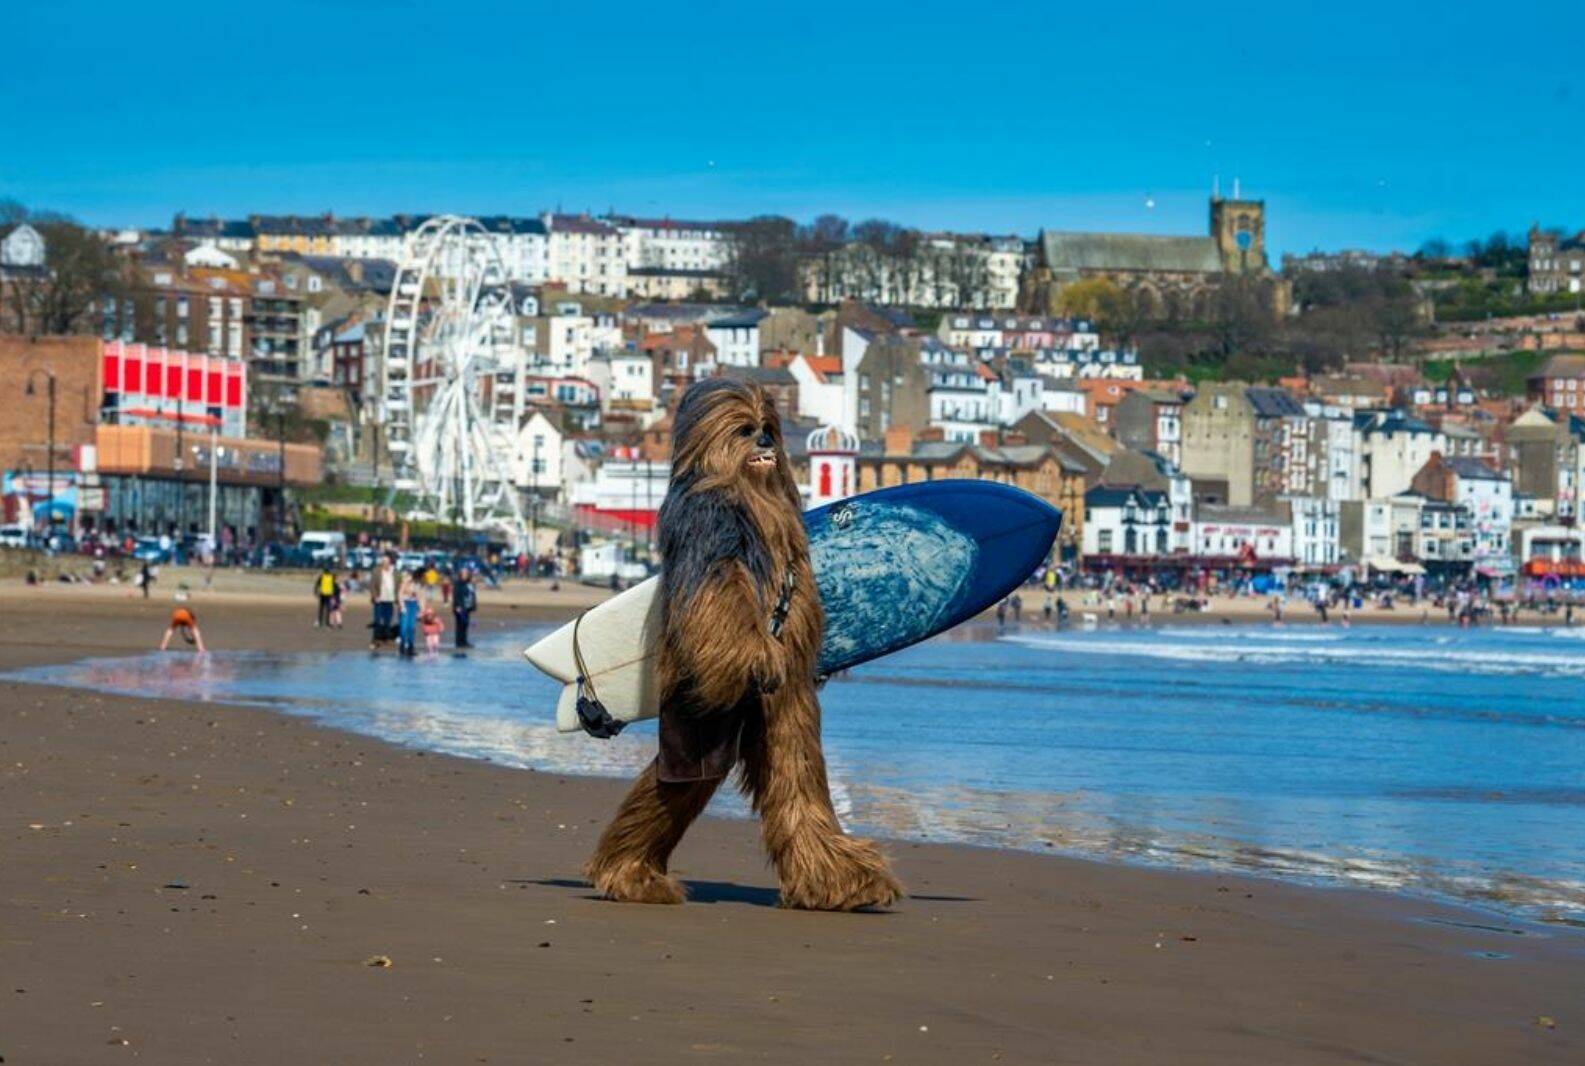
x,y
1239,228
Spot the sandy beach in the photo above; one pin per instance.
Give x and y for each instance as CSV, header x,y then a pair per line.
x,y
191,883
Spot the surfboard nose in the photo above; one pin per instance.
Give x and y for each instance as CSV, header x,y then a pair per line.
x,y
1016,530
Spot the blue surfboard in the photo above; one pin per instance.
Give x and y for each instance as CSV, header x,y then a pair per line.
x,y
893,567
899,565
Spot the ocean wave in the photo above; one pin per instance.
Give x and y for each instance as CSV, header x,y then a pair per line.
x,y
1447,658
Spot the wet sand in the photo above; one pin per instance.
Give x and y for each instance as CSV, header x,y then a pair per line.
x,y
194,883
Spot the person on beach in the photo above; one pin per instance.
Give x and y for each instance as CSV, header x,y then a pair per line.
x,y
739,634
407,595
183,622
464,601
335,603
432,627
145,578
325,591
382,591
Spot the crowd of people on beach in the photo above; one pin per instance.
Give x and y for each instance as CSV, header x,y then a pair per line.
x,y
1119,600
408,603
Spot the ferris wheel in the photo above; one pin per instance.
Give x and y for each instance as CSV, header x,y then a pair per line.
x,y
451,376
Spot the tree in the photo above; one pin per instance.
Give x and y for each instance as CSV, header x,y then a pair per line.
x,y
80,270
763,264
1241,314
1092,298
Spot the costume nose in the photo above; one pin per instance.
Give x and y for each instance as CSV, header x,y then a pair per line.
x,y
765,440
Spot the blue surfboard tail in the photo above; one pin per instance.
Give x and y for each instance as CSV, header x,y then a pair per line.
x,y
900,565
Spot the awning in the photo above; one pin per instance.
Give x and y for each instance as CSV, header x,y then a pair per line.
x,y
1395,566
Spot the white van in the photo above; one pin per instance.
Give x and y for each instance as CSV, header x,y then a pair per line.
x,y
14,535
325,547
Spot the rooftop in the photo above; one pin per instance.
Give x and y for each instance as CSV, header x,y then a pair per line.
x,y
1129,251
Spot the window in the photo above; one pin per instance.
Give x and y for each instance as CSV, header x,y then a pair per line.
x,y
1105,539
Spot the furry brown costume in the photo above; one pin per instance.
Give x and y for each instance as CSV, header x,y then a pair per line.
x,y
736,679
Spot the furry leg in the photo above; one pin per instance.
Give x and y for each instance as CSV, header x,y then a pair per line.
x,y
629,863
784,774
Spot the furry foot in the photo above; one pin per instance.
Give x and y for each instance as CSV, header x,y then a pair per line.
x,y
848,875
636,883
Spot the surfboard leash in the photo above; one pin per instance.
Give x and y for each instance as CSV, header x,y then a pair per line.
x,y
592,715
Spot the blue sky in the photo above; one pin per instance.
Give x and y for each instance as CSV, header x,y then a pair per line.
x,y
1361,124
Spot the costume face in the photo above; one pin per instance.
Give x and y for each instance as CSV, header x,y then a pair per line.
x,y
728,429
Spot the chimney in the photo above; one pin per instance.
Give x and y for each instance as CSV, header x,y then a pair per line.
x,y
988,438
1012,439
899,440
932,433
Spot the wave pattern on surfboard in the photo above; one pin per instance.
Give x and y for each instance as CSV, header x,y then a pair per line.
x,y
889,575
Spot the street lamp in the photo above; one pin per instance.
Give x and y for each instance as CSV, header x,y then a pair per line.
x,y
280,472
50,491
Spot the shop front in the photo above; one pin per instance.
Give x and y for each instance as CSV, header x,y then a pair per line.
x,y
161,482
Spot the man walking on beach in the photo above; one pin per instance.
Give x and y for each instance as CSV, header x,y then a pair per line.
x,y
464,601
382,590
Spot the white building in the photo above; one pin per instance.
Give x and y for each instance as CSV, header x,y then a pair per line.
x,y
820,393
961,404
1488,497
736,338
1127,520
626,378
622,491
1337,442
538,460
1104,363
1240,531
523,245
586,255
673,244
22,247
1317,535
209,254
372,238
1392,447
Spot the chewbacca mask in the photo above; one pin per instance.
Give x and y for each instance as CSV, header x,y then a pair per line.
x,y
741,634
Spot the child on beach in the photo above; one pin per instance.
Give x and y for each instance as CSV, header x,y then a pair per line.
x,y
432,627
183,621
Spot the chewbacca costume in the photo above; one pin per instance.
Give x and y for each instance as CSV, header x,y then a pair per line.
x,y
742,628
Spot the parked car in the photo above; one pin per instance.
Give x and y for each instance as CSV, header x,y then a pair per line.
x,y
323,547
14,535
363,559
150,550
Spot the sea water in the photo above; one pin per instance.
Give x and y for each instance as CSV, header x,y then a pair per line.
x,y
1424,759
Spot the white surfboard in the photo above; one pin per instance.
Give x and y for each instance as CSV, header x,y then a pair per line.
x,y
622,669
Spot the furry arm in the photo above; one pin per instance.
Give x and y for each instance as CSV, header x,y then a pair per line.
x,y
716,584
721,644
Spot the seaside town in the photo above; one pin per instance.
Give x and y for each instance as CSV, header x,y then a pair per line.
x,y
238,390
786,534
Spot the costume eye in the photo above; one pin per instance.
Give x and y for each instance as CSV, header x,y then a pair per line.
x,y
746,432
